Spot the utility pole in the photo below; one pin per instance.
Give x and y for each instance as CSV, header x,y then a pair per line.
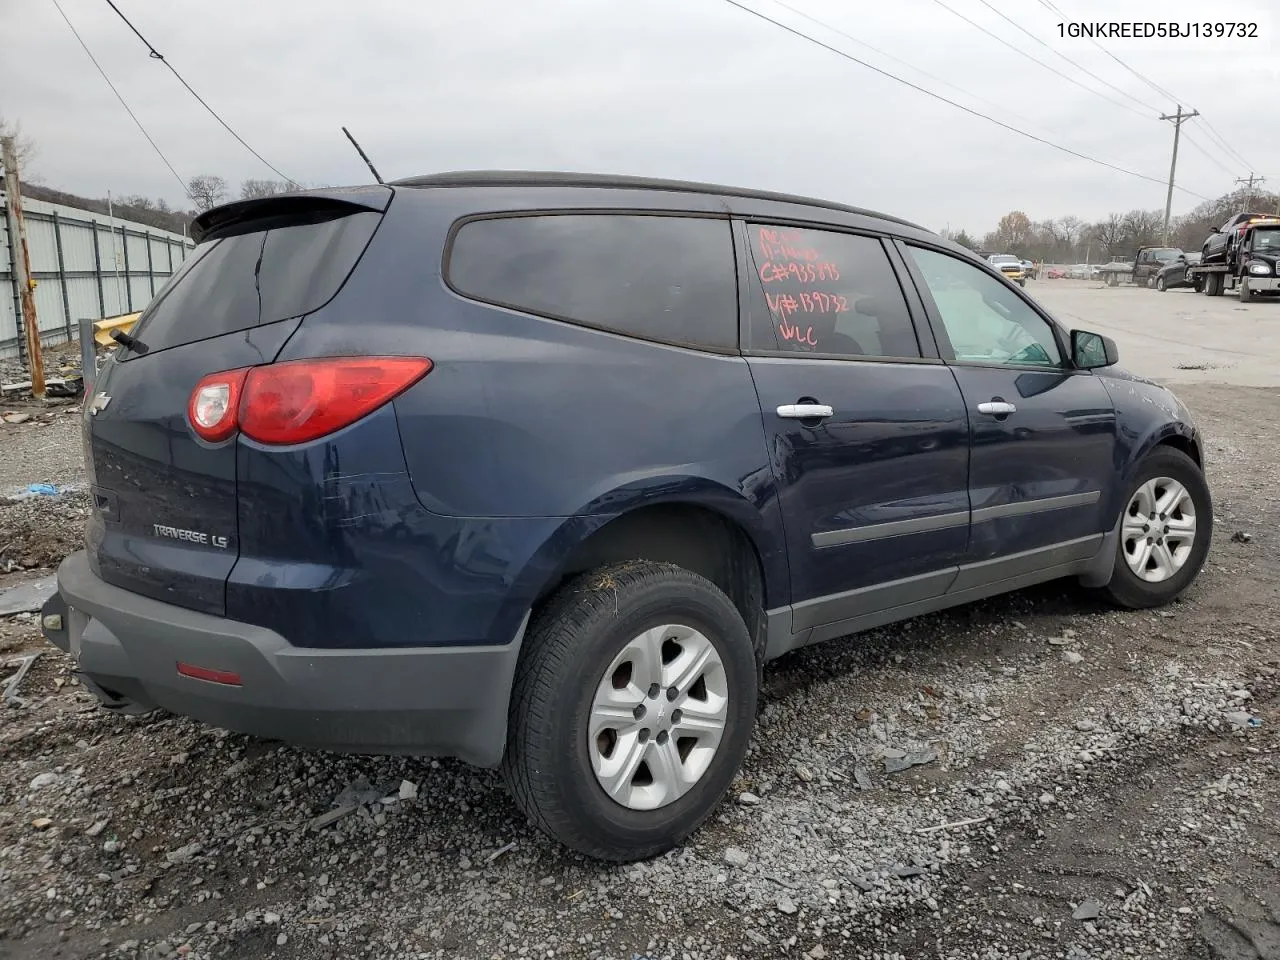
x,y
1177,119
1248,196
22,263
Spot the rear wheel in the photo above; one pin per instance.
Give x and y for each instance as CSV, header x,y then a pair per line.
x,y
1213,284
1164,532
632,710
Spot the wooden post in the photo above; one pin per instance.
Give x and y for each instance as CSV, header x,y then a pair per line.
x,y
26,288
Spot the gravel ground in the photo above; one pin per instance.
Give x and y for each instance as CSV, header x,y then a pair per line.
x,y
1094,784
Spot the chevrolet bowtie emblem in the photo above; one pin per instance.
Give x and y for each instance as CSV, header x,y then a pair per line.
x,y
98,404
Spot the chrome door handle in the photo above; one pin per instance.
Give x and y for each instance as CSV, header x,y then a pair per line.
x,y
998,408
805,411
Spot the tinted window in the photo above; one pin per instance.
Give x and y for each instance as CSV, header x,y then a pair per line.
x,y
985,321
222,287
660,278
828,293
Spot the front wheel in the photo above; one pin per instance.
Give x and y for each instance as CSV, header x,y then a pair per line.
x,y
1164,532
1246,295
1022,283
632,710
1160,284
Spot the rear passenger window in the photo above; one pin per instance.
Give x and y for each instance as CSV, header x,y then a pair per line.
x,y
828,293
669,279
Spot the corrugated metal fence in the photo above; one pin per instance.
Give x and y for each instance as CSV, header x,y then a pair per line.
x,y
85,265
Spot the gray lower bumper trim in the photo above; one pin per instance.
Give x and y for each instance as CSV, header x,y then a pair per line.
x,y
428,700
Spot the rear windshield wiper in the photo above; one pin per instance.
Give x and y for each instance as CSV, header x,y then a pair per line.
x,y
129,342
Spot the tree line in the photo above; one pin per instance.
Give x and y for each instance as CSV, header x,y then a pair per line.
x,y
1072,240
204,192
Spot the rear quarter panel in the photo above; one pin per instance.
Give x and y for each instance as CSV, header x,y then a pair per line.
x,y
526,417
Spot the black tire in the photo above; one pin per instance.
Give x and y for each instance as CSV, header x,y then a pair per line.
x,y
1126,588
1246,295
1160,285
1213,285
569,646
1022,283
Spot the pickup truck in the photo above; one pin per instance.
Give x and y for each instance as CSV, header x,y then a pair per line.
x,y
1220,244
1142,269
1010,266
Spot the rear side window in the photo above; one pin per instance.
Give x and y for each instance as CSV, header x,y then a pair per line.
x,y
241,281
669,279
828,293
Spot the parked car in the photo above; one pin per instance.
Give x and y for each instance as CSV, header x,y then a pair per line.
x,y
1174,273
539,470
1219,245
1010,266
1056,273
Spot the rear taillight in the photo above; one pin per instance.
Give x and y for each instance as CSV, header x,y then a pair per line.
x,y
300,400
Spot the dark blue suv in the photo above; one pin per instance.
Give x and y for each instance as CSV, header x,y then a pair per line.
x,y
538,470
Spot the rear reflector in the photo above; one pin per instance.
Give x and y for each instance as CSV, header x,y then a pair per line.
x,y
212,407
300,400
212,676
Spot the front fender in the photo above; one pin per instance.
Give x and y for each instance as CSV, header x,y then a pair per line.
x,y
1147,415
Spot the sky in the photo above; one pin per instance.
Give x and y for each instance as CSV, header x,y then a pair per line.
x,y
689,89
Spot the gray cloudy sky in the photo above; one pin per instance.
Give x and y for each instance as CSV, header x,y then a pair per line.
x,y
691,89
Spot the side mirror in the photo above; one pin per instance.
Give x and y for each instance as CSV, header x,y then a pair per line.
x,y
1092,350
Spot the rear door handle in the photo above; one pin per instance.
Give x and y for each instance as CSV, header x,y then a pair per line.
x,y
805,411
997,408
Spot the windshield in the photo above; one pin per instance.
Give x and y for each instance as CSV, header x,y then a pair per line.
x,y
1004,258
1166,254
1266,241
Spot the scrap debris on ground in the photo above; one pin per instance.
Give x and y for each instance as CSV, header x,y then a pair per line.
x,y
1034,776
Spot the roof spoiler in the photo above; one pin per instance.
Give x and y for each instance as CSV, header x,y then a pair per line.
x,y
302,205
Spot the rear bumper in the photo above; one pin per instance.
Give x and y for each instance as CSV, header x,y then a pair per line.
x,y
449,701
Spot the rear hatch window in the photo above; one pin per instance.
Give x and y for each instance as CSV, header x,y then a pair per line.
x,y
257,272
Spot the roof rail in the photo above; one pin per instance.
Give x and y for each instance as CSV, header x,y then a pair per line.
x,y
550,178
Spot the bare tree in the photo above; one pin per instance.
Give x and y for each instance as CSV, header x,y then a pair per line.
x,y
255,189
1013,232
23,146
1142,228
1109,233
206,191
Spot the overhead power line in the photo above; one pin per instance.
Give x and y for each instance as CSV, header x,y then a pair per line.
x,y
898,60
1221,142
123,103
1022,53
1206,153
1049,5
959,106
157,55
1080,67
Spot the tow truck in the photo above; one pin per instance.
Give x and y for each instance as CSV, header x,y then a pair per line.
x,y
1251,267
